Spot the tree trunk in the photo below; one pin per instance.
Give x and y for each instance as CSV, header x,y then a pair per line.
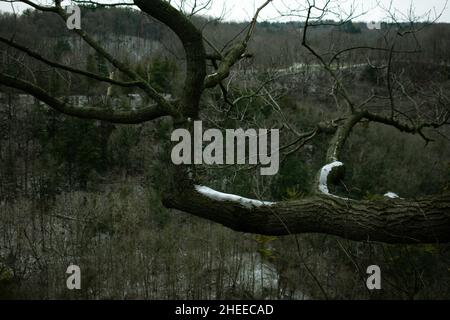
x,y
422,220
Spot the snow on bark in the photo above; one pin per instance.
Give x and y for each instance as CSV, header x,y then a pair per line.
x,y
324,172
220,196
323,179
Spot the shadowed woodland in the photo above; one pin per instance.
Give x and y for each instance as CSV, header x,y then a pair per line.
x,y
86,176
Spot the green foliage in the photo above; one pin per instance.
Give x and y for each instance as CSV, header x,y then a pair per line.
x,y
160,72
75,148
404,165
97,64
294,194
264,248
8,283
122,140
372,197
293,180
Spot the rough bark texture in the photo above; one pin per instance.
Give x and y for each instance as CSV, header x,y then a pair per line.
x,y
422,220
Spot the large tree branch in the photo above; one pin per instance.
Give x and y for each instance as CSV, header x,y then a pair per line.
x,y
422,220
192,41
337,143
99,113
223,71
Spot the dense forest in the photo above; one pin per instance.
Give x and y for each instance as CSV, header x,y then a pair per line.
x,y
88,192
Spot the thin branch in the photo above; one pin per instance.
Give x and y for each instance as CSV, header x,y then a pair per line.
x,y
236,53
54,64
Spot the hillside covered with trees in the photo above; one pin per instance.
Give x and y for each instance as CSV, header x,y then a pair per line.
x,y
90,190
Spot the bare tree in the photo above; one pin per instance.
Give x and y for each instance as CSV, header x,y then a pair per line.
x,y
390,220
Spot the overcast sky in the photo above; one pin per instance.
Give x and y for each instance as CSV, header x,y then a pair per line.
x,y
239,10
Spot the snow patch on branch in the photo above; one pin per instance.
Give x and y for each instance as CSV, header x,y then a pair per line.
x,y
324,172
323,179
391,195
220,196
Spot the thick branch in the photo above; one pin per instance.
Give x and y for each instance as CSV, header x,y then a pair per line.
x,y
107,114
424,220
228,61
192,41
337,143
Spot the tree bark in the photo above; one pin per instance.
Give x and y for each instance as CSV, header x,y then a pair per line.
x,y
421,220
192,41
